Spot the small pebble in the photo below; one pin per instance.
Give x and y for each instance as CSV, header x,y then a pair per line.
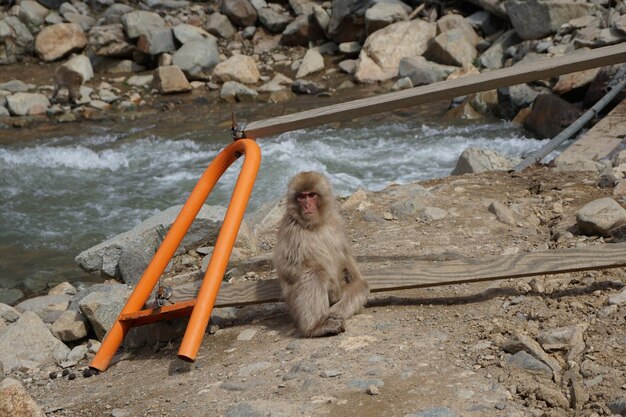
x,y
372,390
71,376
53,375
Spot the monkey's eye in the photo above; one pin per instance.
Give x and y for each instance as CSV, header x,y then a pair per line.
x,y
305,196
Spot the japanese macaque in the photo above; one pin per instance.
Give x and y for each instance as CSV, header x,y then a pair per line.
x,y
65,77
319,277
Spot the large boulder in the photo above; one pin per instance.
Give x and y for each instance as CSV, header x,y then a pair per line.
x,y
239,68
458,22
139,22
57,41
481,160
30,340
219,25
15,40
600,217
197,58
346,21
232,91
23,104
383,50
110,41
452,47
550,114
493,57
535,19
156,41
103,258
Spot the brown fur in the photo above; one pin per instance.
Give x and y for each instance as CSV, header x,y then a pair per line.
x,y
320,280
65,77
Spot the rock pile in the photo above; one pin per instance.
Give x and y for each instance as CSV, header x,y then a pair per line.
x,y
258,50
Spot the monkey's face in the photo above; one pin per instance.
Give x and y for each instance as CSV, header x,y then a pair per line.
x,y
308,203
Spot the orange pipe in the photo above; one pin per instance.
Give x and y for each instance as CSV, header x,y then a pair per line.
x,y
230,228
207,294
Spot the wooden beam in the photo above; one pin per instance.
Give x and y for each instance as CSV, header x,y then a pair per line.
x,y
405,275
488,80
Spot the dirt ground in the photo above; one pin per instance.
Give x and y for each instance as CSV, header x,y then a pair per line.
x,y
425,352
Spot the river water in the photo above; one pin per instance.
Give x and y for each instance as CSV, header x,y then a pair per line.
x,y
66,190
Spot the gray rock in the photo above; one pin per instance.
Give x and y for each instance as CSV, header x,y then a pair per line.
x,y
600,216
568,338
433,412
274,21
350,49
493,57
240,12
103,258
481,160
32,13
484,21
10,295
619,298
347,20
16,402
9,314
364,384
114,12
156,41
139,22
232,91
402,84
84,21
22,40
16,86
23,104
219,25
452,47
302,30
535,19
458,22
503,213
307,87
78,353
383,14
529,363
185,33
110,41
311,63
43,304
514,98
103,307
29,339
197,59
70,326
348,66
244,409
321,17
422,72
239,68
521,342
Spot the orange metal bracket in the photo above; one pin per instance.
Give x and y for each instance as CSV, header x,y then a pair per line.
x,y
200,308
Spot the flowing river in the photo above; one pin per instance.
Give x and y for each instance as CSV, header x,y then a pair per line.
x,y
66,190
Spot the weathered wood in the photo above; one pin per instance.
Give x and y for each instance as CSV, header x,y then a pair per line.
x,y
522,73
602,139
406,275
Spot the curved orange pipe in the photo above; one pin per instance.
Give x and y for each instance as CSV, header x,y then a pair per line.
x,y
219,260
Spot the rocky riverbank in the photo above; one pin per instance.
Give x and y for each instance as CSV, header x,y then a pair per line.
x,y
527,347
131,56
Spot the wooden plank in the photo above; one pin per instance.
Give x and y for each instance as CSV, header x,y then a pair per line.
x,y
407,275
602,139
518,74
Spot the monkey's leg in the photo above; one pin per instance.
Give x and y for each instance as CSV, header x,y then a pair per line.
x,y
352,300
309,306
